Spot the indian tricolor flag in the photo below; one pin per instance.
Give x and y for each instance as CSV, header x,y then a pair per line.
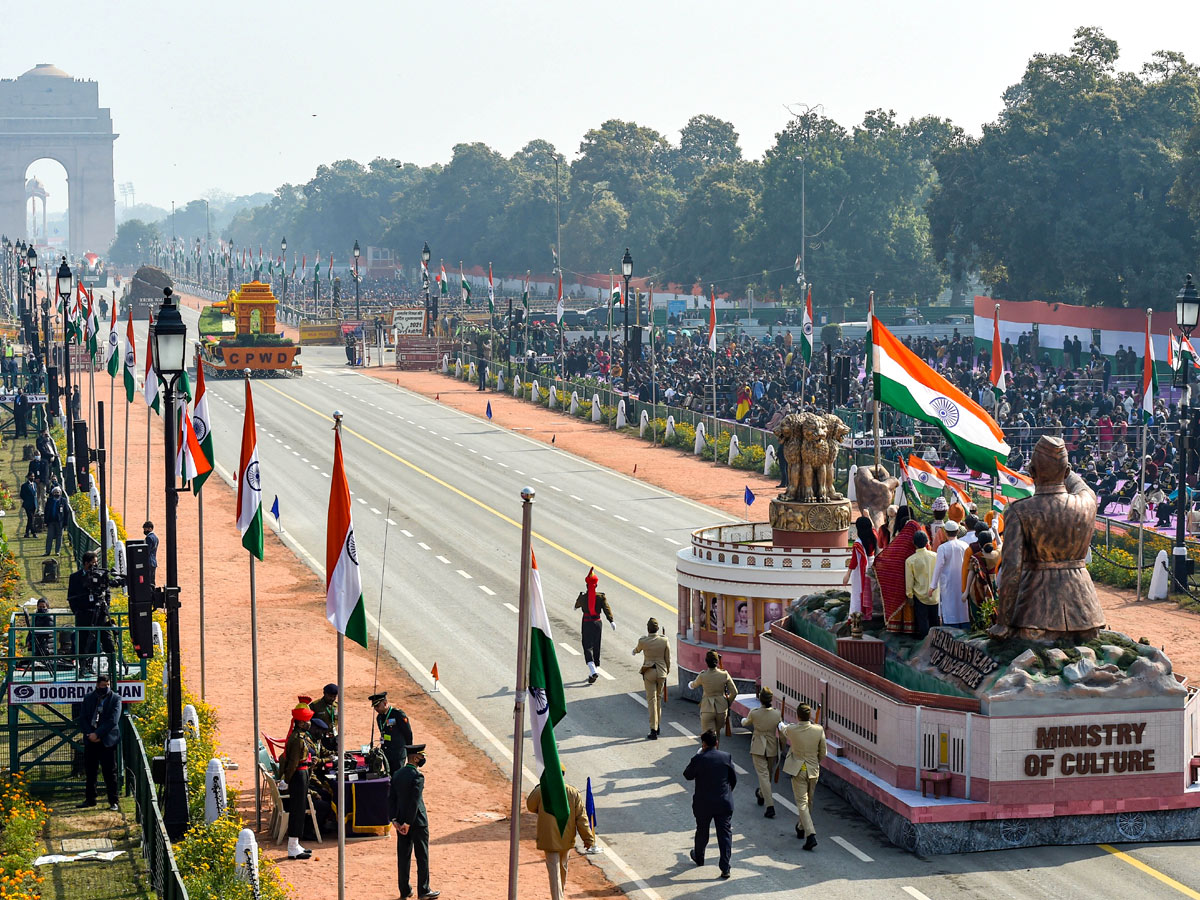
x,y
443,282
202,425
806,329
926,479
1149,378
464,286
712,319
491,291
1013,485
547,702
343,584
190,461
999,379
960,491
130,360
150,387
250,516
905,383
112,358
560,309
870,350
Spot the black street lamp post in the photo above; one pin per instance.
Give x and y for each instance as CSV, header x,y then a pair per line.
x,y
1187,311
64,295
357,294
170,347
430,308
627,273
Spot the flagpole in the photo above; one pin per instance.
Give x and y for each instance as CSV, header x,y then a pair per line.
x,y
871,363
379,618
148,463
254,695
514,819
125,471
341,769
1147,362
713,295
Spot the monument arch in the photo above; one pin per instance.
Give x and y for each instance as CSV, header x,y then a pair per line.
x,y
47,114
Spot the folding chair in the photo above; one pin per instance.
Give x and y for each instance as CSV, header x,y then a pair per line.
x,y
279,820
275,747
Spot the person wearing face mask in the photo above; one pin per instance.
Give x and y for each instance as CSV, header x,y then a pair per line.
x,y
406,809
99,720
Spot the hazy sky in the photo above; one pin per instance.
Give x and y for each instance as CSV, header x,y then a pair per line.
x,y
244,96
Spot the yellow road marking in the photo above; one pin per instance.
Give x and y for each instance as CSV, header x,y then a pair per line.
x,y
1152,872
495,512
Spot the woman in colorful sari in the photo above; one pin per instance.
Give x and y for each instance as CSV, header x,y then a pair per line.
x,y
861,556
889,572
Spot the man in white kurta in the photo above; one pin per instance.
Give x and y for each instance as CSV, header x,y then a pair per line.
x,y
947,575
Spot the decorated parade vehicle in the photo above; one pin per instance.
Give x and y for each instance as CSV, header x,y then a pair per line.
x,y
239,334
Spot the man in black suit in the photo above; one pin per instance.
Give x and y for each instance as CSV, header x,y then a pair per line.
x,y
87,598
99,718
406,809
712,770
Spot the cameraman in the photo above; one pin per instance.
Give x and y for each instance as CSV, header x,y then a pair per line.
x,y
87,595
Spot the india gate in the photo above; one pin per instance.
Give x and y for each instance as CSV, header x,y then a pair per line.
x,y
47,114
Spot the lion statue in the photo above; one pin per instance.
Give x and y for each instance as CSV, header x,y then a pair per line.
x,y
837,431
806,450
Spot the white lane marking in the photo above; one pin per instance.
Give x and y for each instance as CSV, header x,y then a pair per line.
x,y
785,803
268,433
538,480
670,541
487,590
326,474
422,427
444,438
570,649
601,508
851,849
361,500
638,697
431,431
457,444
645,529
392,522
377,512
505,465
295,453
313,466
462,573
469,450
278,441
555,487
442,559
287,446
513,608
574,497
914,893
604,674
304,459
682,730
485,456
518,471
422,545
622,518
403,531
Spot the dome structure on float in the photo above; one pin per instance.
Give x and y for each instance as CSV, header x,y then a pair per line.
x,y
45,70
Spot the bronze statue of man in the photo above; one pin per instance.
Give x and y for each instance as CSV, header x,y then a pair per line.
x,y
1046,593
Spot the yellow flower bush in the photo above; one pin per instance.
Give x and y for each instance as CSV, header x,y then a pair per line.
x,y
21,821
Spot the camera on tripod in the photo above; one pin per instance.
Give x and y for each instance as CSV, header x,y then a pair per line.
x,y
101,580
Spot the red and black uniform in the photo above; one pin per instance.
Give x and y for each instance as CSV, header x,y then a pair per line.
x,y
594,605
294,767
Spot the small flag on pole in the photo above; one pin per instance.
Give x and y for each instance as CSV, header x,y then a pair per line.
x,y
590,805
434,673
275,508
489,409
749,496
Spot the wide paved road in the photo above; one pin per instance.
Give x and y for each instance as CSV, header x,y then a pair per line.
x,y
450,592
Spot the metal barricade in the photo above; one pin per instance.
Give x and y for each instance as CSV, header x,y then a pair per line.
x,y
156,846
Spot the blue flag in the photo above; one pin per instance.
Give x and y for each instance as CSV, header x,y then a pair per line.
x,y
275,508
590,805
749,496
489,409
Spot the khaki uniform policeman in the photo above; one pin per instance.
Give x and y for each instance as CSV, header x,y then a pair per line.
x,y
806,743
395,733
656,664
718,692
764,747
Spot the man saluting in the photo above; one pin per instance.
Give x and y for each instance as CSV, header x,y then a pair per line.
x,y
593,605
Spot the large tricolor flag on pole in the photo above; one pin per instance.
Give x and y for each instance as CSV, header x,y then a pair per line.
x,y
443,282
558,312
869,362
112,358
250,516
150,387
491,291
343,584
130,360
463,285
1149,378
806,329
999,379
202,425
926,479
547,702
525,292
1013,485
712,319
190,461
904,382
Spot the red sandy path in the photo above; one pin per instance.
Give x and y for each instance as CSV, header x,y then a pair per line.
x,y
467,795
1163,623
